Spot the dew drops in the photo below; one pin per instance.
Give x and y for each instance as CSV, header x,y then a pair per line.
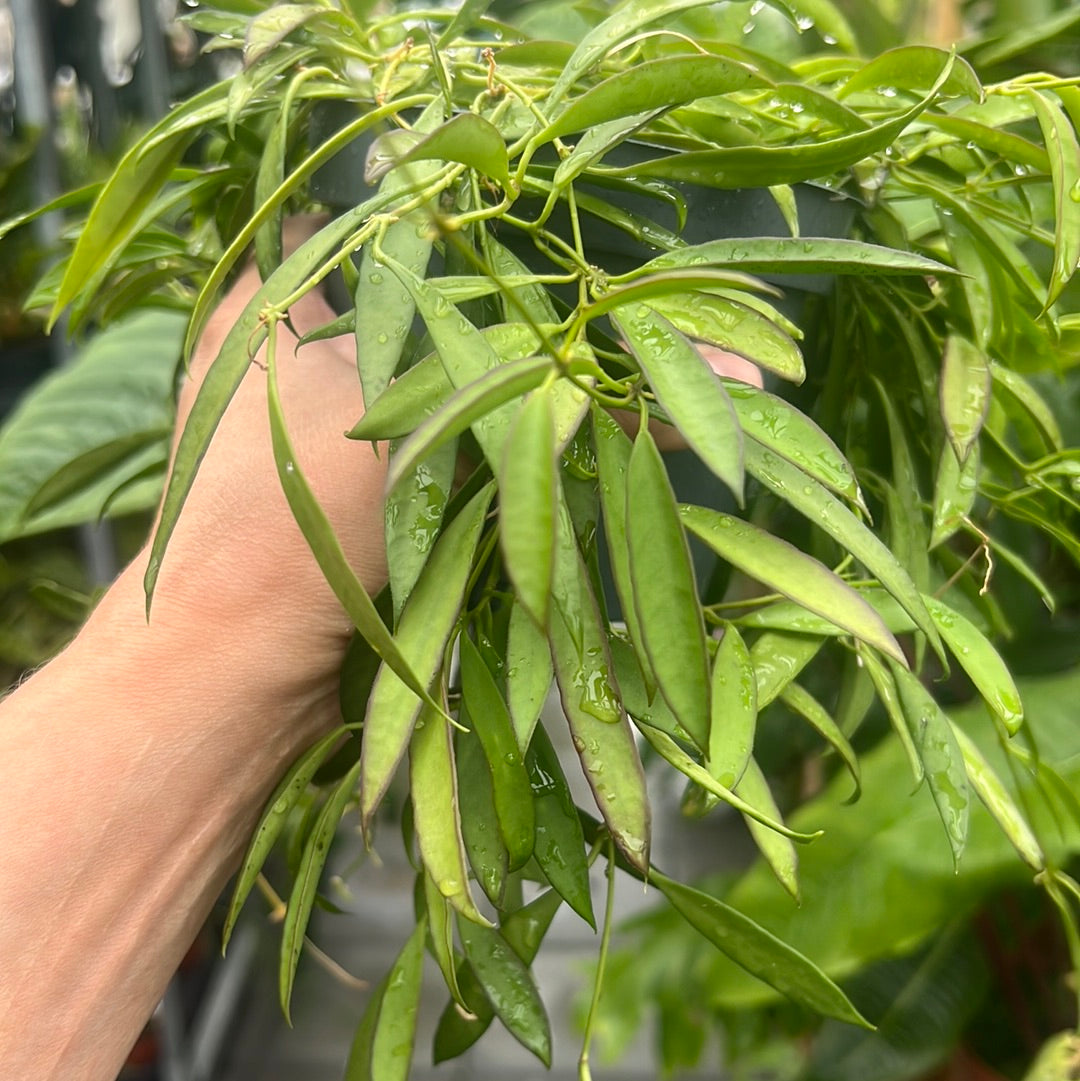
x,y
757,7
829,39
290,467
382,338
887,91
749,26
804,22
375,279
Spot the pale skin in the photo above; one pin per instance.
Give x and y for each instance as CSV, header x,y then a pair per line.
x,y
137,761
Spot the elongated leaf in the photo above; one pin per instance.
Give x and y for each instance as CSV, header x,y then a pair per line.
x,y
784,568
491,722
425,627
382,1051
509,988
800,701
654,84
913,68
778,850
470,140
1023,392
595,143
441,924
778,657
465,407
794,255
302,897
734,710
889,694
275,815
664,590
1064,150
528,673
735,326
831,516
955,489
433,790
965,393
484,846
933,737
272,26
560,844
527,504
762,954
981,662
598,725
326,548
689,391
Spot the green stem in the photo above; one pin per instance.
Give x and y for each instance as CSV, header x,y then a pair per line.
x,y
584,1073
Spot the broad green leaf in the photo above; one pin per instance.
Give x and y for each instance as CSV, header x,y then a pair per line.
x,y
824,17
783,567
469,140
436,819
778,850
778,657
484,847
560,844
302,897
426,625
826,512
598,725
594,144
116,392
467,406
734,710
412,517
688,390
509,987
794,255
528,673
982,663
326,547
274,25
735,326
382,1048
510,782
800,701
931,732
523,930
955,490
527,501
654,84
965,393
760,953
1064,150
998,801
1029,398
675,756
384,307
275,815
913,68
780,427
665,592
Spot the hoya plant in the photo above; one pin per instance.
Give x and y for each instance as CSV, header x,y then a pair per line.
x,y
551,210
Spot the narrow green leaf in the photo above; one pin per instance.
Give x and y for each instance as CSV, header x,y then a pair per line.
x,y
778,850
654,84
1064,150
401,408
664,590
889,694
932,733
509,987
528,673
965,393
999,802
832,517
484,846
436,819
466,406
759,952
441,926
733,325
778,657
914,68
654,710
598,725
955,489
688,390
981,662
491,721
1029,398
800,701
274,25
470,140
274,818
426,624
784,568
792,255
302,897
383,1051
527,504
734,710
465,18
560,844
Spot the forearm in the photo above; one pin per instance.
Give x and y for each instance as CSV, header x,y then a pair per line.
x,y
133,775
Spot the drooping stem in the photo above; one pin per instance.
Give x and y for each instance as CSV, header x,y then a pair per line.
x,y
584,1073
